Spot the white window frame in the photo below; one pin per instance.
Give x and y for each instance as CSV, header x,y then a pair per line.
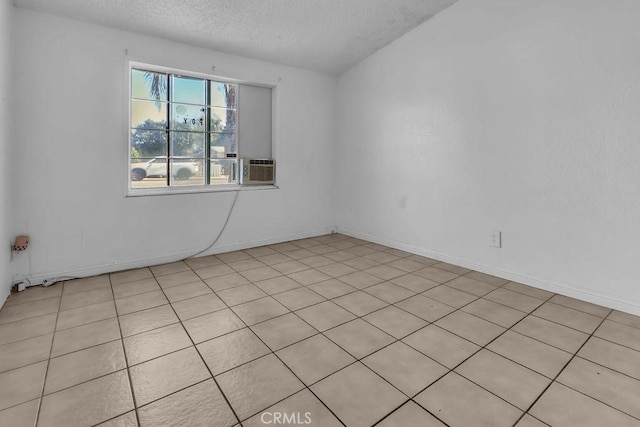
x,y
203,188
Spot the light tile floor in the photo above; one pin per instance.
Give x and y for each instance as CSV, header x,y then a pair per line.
x,y
331,330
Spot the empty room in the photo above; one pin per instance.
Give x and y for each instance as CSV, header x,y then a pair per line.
x,y
319,213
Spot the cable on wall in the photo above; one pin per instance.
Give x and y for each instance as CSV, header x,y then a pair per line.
x,y
19,285
53,280
224,226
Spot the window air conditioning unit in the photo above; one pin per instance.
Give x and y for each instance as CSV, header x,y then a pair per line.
x,y
257,171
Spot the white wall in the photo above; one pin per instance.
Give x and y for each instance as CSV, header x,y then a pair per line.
x,y
6,15
71,117
515,114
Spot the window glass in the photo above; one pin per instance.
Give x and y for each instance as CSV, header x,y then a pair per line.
x,y
148,114
223,171
223,95
182,130
148,85
187,171
188,90
222,120
189,144
148,143
188,117
223,143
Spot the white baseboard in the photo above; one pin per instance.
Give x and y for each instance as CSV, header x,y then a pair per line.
x,y
607,300
41,278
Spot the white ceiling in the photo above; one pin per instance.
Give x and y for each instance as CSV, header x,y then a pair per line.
x,y
324,35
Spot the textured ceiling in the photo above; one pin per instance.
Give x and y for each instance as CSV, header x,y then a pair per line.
x,y
324,35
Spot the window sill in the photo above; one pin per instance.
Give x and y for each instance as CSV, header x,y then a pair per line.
x,y
145,192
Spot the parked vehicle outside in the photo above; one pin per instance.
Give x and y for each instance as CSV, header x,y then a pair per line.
x,y
182,168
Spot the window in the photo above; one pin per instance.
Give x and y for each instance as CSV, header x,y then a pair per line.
x,y
184,130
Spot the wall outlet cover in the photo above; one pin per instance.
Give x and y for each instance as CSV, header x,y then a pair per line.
x,y
495,238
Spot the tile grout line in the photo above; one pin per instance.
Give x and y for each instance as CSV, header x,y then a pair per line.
x,y
360,360
598,400
17,304
171,352
275,355
107,319
605,366
473,354
527,314
287,366
306,286
280,360
29,338
362,317
574,355
388,304
126,359
46,374
554,379
271,295
233,411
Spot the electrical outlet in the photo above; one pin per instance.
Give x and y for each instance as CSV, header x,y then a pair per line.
x,y
495,238
19,285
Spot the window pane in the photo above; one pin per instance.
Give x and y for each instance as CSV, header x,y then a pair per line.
x,y
188,90
187,144
223,95
223,171
148,114
187,171
148,143
223,143
187,117
222,120
148,85
182,130
148,172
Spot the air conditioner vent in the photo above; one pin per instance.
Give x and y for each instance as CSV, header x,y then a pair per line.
x,y
257,171
260,162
